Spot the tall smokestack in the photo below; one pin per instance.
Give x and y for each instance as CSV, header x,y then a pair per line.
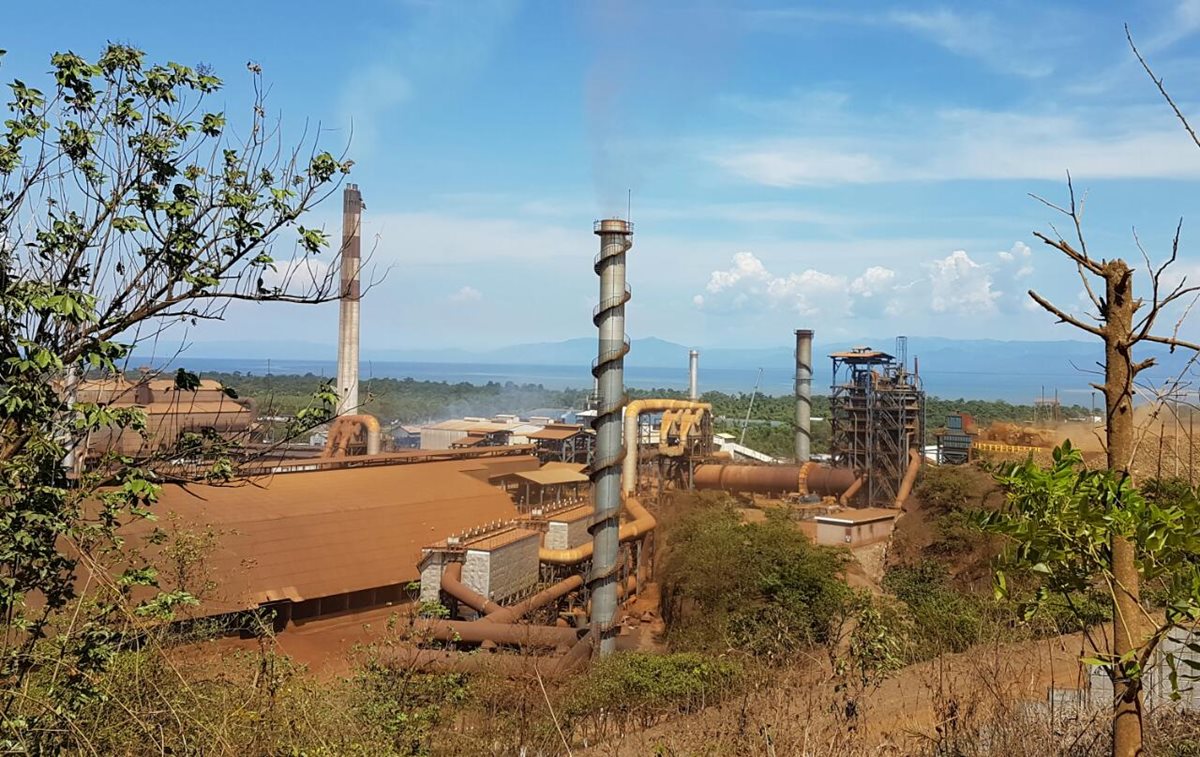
x,y
609,370
803,395
693,371
347,378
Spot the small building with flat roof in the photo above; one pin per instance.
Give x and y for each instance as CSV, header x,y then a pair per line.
x,y
855,527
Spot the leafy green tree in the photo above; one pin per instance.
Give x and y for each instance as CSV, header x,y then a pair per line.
x,y
125,209
1063,524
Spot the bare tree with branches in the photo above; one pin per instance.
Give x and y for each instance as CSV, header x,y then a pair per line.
x,y
1126,322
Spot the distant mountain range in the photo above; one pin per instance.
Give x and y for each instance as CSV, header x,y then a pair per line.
x,y
1017,370
935,354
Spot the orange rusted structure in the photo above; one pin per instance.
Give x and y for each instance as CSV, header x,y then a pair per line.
x,y
676,410
643,523
348,431
809,478
327,541
170,412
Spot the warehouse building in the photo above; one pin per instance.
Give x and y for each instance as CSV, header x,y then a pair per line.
x,y
322,542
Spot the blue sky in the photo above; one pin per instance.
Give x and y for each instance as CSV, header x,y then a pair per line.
x,y
859,168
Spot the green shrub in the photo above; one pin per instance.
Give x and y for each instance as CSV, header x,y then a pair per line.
x,y
763,588
642,688
942,618
946,487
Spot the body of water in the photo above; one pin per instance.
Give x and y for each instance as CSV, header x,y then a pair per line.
x,y
1013,387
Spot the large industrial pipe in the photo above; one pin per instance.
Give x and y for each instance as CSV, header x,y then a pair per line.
x,y
577,656
803,395
347,386
849,493
693,375
643,523
609,370
809,478
452,584
910,477
341,431
632,412
544,597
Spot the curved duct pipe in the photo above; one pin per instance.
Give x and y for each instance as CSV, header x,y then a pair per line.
x,y
452,584
685,420
341,433
910,477
643,523
809,478
578,655
632,412
544,597
854,487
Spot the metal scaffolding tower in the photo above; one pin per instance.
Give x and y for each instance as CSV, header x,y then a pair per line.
x,y
877,416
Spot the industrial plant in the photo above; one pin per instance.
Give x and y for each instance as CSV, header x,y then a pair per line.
x,y
532,532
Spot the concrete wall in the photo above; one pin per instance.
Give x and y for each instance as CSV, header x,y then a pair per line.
x,y
440,438
431,577
561,534
557,536
505,571
1157,678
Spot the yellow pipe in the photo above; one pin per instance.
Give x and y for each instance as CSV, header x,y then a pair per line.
x,y
685,420
643,523
632,411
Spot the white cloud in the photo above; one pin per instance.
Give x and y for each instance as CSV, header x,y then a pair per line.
x,y
953,144
960,285
976,36
748,284
957,284
746,267
467,294
437,42
1002,43
789,163
874,281
299,275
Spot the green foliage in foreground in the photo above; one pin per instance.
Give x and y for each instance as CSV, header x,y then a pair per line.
x,y
1061,521
124,209
943,618
763,588
642,688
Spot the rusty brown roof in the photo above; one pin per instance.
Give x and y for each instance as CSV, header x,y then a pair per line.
x,y
856,516
861,354
317,534
556,432
552,477
577,467
570,515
